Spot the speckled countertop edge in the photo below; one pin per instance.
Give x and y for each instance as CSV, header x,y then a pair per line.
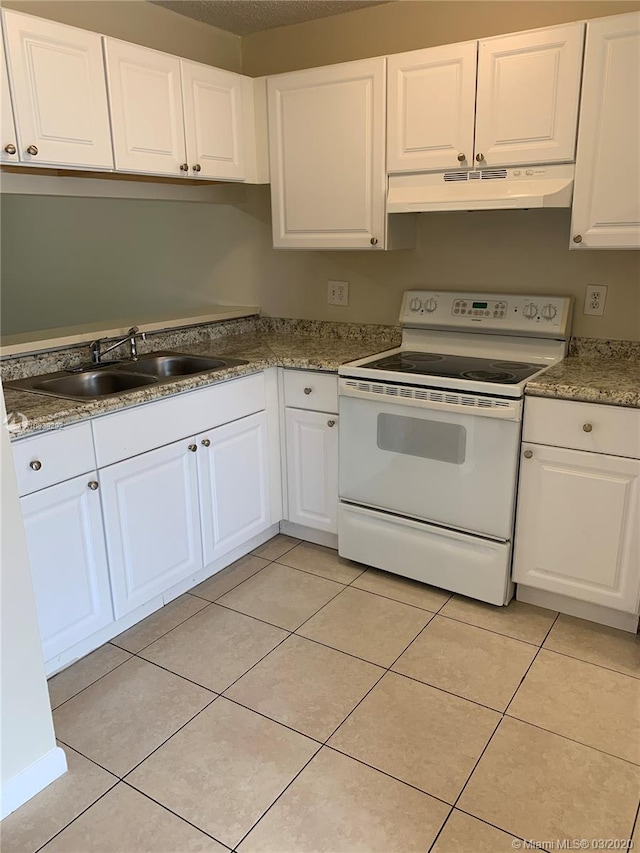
x,y
597,376
31,413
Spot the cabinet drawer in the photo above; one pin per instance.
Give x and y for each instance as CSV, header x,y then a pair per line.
x,y
133,431
62,454
583,426
309,389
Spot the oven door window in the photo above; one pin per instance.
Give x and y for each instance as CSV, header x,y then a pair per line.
x,y
437,440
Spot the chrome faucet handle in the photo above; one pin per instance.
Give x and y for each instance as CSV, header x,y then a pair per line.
x,y
94,346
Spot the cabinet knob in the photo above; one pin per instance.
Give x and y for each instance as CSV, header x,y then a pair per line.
x,y
197,168
36,465
577,238
32,150
10,149
205,442
374,241
587,427
462,157
331,423
308,390
193,447
479,157
528,454
184,167
93,485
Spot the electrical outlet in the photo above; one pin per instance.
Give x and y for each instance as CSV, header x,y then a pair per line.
x,y
594,299
338,292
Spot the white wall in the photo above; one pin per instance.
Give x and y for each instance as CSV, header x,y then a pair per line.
x,y
30,759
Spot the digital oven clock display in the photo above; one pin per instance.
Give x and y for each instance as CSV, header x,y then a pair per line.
x,y
480,304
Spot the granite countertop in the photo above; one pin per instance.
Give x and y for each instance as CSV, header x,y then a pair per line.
x,y
259,348
592,377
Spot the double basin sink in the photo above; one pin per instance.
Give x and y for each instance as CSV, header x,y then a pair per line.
x,y
107,380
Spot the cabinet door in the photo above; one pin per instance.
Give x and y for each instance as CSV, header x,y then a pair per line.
x,y
431,107
527,101
234,484
145,96
152,523
326,140
59,93
312,469
577,526
606,201
68,559
8,138
213,121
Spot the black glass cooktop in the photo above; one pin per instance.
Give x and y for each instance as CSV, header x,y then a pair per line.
x,y
456,367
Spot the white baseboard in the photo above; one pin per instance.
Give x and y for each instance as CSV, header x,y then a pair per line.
x,y
580,609
309,534
32,780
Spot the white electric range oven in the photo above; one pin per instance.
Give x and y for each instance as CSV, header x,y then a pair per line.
x,y
430,437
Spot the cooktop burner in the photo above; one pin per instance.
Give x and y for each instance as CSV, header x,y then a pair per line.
x,y
455,367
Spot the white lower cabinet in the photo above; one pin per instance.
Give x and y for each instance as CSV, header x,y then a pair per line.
x,y
152,523
65,540
233,473
577,531
312,469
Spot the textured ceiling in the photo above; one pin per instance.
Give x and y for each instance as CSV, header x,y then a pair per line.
x,y
244,17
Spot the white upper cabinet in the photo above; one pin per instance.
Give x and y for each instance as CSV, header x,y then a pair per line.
x,y
510,100
430,107
8,138
174,117
606,200
59,93
327,141
213,121
146,109
527,99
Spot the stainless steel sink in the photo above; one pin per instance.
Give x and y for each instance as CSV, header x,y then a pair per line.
x,y
96,382
169,364
92,384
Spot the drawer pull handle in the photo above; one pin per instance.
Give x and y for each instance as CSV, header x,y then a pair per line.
x,y
36,465
206,442
193,447
331,423
308,390
587,427
93,485
528,454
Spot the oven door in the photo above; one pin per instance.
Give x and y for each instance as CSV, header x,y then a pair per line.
x,y
430,460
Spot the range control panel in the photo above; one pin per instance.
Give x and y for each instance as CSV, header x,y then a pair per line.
x,y
542,316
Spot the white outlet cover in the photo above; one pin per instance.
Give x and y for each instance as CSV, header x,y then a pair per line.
x,y
338,292
595,297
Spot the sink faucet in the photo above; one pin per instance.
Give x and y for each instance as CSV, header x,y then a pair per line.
x,y
132,334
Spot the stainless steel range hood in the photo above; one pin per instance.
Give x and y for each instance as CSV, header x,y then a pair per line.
x,y
484,189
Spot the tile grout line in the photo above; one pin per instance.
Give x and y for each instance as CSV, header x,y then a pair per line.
x,y
74,819
86,687
168,631
175,814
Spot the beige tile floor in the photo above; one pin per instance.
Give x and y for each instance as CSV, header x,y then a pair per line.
x,y
298,703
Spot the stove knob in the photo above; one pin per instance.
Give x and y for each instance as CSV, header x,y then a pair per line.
x,y
549,311
530,311
415,304
430,305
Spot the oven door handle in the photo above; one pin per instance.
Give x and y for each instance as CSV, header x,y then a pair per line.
x,y
429,398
